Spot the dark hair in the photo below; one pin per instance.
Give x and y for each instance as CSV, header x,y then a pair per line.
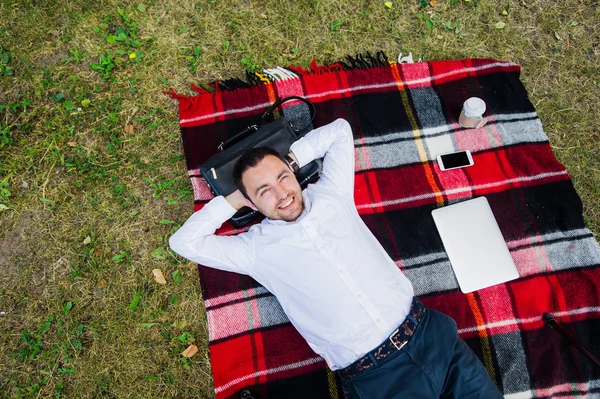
x,y
250,159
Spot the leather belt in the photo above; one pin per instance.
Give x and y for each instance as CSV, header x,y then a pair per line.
x,y
395,341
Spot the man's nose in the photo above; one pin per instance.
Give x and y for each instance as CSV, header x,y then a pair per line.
x,y
280,192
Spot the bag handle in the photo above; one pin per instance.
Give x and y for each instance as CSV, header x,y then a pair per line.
x,y
254,128
311,108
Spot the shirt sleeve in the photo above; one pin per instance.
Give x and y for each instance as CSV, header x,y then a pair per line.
x,y
196,241
335,143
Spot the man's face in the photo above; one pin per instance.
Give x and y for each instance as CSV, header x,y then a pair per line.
x,y
273,189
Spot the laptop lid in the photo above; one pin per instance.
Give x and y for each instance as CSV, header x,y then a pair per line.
x,y
475,245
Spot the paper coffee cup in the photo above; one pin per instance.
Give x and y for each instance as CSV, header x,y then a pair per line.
x,y
471,115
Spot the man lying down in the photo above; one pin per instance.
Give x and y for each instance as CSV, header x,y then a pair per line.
x,y
333,279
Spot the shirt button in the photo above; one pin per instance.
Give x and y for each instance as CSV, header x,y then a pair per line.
x,y
359,295
378,321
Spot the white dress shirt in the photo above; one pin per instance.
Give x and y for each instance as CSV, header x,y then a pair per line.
x,y
335,282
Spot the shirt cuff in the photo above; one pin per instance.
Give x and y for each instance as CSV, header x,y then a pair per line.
x,y
220,208
303,151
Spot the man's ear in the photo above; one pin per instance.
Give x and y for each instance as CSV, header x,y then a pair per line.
x,y
250,204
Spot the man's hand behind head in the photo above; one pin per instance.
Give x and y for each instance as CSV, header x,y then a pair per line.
x,y
237,200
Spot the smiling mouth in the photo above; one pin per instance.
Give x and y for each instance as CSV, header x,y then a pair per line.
x,y
287,204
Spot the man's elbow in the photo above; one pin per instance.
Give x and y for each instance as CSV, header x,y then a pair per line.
x,y
175,244
344,126
343,123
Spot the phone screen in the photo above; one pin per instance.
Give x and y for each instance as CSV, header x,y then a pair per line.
x,y
455,160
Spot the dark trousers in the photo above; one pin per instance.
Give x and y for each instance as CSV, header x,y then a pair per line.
x,y
435,363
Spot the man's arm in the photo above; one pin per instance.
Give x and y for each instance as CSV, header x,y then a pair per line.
x,y
196,241
334,142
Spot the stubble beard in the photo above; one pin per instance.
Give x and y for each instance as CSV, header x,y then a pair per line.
x,y
286,216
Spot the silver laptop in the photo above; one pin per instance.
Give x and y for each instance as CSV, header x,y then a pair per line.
x,y
474,243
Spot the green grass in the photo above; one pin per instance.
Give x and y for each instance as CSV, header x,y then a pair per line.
x,y
87,207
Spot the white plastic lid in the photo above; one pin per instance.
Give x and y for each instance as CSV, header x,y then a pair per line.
x,y
474,106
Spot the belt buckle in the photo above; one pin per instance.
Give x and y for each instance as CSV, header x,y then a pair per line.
x,y
392,341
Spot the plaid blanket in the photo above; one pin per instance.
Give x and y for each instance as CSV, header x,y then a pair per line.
x,y
402,116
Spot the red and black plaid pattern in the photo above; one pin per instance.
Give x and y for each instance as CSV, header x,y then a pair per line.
x,y
403,115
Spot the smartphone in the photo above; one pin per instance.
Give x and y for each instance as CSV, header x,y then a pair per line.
x,y
455,160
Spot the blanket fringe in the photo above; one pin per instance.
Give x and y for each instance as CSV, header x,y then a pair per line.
x,y
234,84
173,94
252,79
199,89
366,61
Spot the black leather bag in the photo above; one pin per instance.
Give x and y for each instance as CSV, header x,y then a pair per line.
x,y
278,134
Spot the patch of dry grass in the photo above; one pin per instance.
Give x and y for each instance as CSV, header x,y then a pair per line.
x,y
74,174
